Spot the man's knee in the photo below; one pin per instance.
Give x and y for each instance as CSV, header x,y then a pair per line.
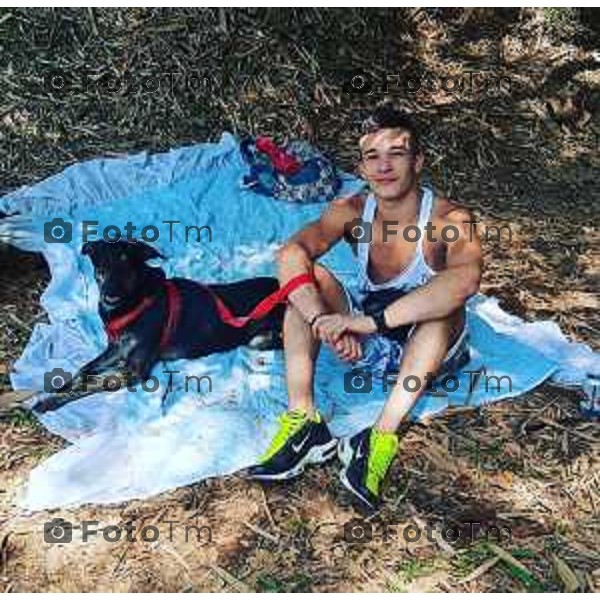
x,y
445,330
330,288
322,274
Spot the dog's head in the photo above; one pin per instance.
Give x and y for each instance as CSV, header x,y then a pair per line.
x,y
120,269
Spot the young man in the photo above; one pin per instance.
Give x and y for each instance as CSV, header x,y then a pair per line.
x,y
411,293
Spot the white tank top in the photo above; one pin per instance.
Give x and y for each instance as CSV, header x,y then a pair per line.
x,y
418,272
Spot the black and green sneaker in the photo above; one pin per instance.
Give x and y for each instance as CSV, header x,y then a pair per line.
x,y
367,457
300,441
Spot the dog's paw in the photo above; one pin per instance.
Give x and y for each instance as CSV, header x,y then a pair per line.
x,y
49,404
271,340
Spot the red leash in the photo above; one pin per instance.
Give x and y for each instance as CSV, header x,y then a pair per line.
x,y
173,312
265,306
115,327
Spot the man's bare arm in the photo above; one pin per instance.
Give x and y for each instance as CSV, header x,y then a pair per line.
x,y
449,289
299,254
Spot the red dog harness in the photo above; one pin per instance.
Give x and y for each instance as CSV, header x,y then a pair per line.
x,y
115,327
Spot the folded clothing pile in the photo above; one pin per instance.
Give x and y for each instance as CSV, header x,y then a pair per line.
x,y
295,172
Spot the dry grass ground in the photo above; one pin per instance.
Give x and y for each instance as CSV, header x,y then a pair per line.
x,y
526,155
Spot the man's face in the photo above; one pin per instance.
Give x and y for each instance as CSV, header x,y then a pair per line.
x,y
388,162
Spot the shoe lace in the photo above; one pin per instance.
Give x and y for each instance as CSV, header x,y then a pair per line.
x,y
382,452
289,423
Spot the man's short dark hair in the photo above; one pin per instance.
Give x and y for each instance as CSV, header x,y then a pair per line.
x,y
387,116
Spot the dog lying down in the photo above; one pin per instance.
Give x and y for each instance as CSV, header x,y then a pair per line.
x,y
149,318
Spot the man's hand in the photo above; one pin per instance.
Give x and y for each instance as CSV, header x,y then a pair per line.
x,y
348,348
330,328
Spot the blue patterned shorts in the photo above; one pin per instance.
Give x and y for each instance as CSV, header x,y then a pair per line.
x,y
382,355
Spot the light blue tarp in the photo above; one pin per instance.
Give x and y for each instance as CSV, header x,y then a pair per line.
x,y
130,445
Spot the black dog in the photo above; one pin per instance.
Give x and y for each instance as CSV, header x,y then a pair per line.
x,y
150,318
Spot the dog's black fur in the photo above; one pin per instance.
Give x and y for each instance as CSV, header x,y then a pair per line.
x,y
124,279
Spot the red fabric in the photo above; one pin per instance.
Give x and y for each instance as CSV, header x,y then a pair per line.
x,y
265,306
116,326
173,312
283,161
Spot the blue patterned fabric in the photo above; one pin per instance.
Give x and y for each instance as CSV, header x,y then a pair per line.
x,y
317,180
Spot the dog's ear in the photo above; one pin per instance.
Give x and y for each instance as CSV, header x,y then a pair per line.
x,y
88,249
142,252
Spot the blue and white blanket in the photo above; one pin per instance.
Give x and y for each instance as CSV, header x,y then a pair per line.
x,y
128,445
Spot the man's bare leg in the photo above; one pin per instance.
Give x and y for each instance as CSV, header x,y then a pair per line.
x,y
423,354
367,456
302,347
302,439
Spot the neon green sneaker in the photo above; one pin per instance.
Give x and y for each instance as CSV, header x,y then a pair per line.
x,y
299,442
367,457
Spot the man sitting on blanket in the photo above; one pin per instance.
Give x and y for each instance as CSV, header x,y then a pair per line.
x,y
418,261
